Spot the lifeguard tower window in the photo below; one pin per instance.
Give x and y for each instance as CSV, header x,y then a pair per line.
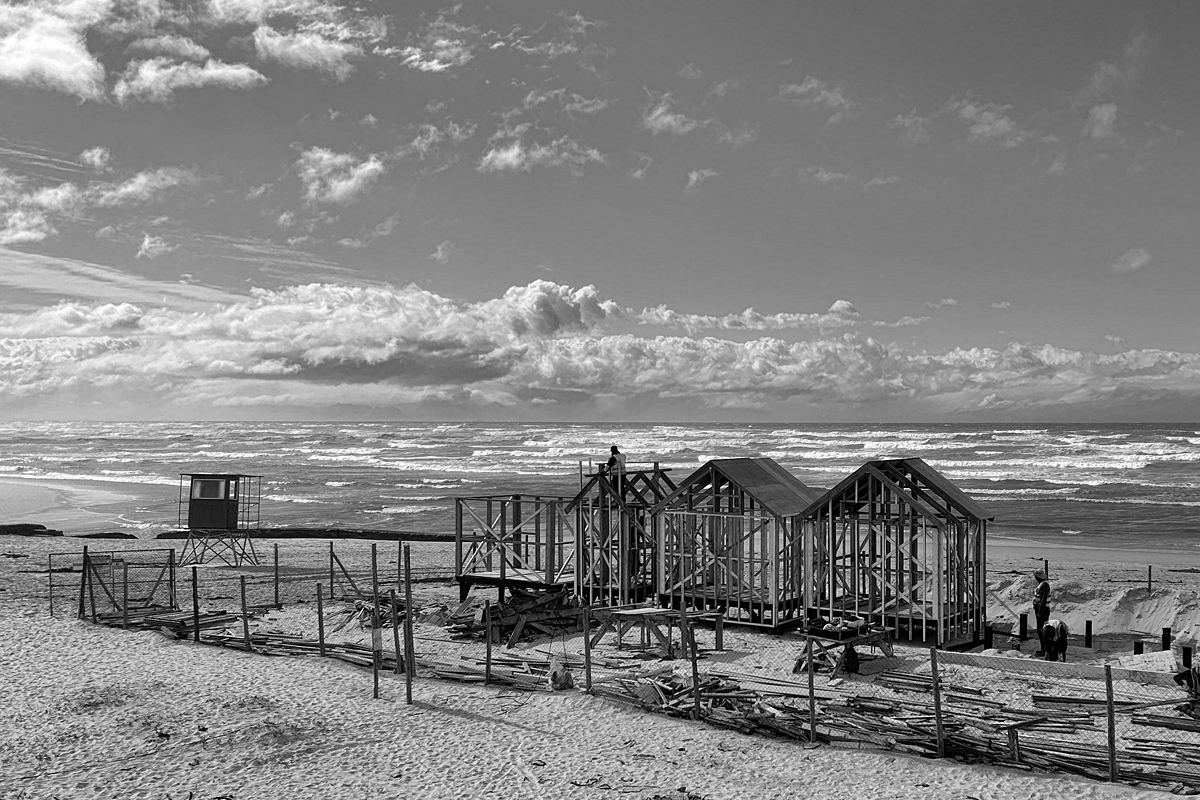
x,y
209,488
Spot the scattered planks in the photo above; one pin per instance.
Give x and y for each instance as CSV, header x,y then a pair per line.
x,y
524,616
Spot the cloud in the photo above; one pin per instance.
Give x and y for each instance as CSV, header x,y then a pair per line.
x,y
141,188
943,303
880,180
823,175
154,246
441,46
156,80
444,252
369,121
96,157
691,72
1101,121
723,88
336,178
659,118
380,231
1002,304
989,123
43,46
697,177
817,93
23,225
1110,76
331,347
175,46
516,156
1134,260
1116,341
644,162
915,127
740,136
307,50
1058,166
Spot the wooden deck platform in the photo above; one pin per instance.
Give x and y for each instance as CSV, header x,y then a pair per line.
x,y
511,578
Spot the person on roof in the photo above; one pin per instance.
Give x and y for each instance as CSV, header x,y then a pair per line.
x,y
615,467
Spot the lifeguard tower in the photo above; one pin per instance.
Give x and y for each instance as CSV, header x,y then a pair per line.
x,y
221,511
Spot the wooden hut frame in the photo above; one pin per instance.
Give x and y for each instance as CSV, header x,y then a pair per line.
x,y
513,541
730,539
615,544
898,544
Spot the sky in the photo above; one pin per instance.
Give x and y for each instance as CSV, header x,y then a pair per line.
x,y
672,211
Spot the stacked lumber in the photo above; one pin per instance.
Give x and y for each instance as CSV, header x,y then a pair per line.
x,y
180,624
525,615
280,644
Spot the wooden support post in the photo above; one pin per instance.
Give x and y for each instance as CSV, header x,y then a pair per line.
x,y
399,560
487,637
83,576
1166,638
195,606
245,614
719,632
812,695
376,636
587,648
987,637
937,703
1046,567
410,650
1187,657
374,575
395,609
1138,647
277,575
690,632
171,567
1023,627
1150,580
1113,773
125,595
1087,633
331,570
320,623
90,569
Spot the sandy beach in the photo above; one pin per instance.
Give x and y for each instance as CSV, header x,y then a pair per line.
x,y
73,506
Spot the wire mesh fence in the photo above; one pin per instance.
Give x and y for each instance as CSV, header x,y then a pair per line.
x,y
363,607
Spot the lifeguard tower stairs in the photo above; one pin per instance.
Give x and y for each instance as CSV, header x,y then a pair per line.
x,y
220,512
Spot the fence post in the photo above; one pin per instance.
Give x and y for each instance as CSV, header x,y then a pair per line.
x,y
395,609
374,575
487,637
1187,657
1150,579
1166,639
987,637
691,635
1113,773
174,599
937,703
587,647
812,694
320,623
331,570
277,575
376,635
83,575
1138,647
1087,634
410,648
195,606
245,614
1024,627
125,595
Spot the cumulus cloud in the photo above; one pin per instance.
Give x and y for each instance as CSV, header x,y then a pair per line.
x,y
823,175
880,180
442,45
914,126
514,155
329,346
943,303
1116,341
1002,304
96,157
369,121
157,80
740,136
443,253
154,246
43,45
179,47
141,188
691,72
1134,260
990,123
841,314
336,178
817,93
697,177
1110,76
658,117
644,162
23,225
307,50
1101,122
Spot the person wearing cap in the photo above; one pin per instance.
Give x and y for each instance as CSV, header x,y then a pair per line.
x,y
1041,608
1054,639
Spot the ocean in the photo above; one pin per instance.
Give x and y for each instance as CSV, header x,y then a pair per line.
x,y
1133,486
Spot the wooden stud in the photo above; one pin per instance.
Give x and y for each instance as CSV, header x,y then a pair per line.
x,y
245,614
195,606
1113,774
320,623
937,703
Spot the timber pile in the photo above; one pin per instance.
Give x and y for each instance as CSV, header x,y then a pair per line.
x,y
524,615
179,624
281,644
362,614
